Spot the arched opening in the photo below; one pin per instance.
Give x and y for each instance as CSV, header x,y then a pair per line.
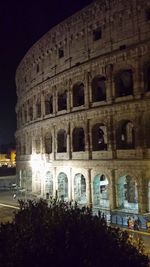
x,y
99,137
98,89
78,94
124,83
38,109
62,186
30,113
37,146
125,135
48,104
49,184
48,143
127,194
78,139
80,188
147,77
100,191
62,100
37,183
61,141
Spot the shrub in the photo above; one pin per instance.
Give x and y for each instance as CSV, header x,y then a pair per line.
x,y
62,234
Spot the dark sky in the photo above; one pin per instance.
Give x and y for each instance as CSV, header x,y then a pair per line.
x,y
22,23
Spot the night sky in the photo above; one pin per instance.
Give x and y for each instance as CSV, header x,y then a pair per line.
x,y
22,23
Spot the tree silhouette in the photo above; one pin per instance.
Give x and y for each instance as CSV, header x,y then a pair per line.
x,y
60,234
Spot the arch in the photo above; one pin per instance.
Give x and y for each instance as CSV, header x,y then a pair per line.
x,y
38,108
127,193
78,138
49,184
125,135
99,137
48,104
78,94
37,183
48,143
80,188
37,146
147,77
100,191
62,100
98,88
124,83
62,186
30,113
61,141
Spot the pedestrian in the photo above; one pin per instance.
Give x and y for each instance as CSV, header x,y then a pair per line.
x,y
136,225
14,196
130,223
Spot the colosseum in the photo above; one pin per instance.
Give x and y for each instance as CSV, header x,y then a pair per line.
x,y
83,110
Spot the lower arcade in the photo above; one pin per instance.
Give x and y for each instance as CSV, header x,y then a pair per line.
x,y
117,192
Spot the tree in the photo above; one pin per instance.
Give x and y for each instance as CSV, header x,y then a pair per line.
x,y
60,234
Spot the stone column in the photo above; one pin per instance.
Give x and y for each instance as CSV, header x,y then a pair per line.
x,y
34,108
86,90
54,144
137,81
89,189
87,140
42,105
109,83
112,191
89,81
68,143
55,192
70,185
69,98
54,100
111,137
143,196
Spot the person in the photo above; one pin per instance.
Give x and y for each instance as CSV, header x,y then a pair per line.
x,y
136,225
130,223
14,196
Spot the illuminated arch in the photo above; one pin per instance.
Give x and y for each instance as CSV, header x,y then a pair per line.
x,y
80,188
49,185
100,191
127,193
62,186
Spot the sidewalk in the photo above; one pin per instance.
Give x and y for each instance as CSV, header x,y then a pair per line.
x,y
7,198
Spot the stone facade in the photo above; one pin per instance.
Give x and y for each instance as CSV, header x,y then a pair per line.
x,y
83,110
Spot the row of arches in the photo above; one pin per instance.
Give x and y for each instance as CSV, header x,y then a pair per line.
x,y
123,83
126,190
125,139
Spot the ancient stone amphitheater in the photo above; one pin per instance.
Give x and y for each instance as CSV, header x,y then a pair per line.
x,y
83,110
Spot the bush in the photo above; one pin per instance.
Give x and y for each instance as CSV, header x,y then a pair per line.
x,y
60,234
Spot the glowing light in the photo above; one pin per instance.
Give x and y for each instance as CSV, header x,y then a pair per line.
x,y
35,162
